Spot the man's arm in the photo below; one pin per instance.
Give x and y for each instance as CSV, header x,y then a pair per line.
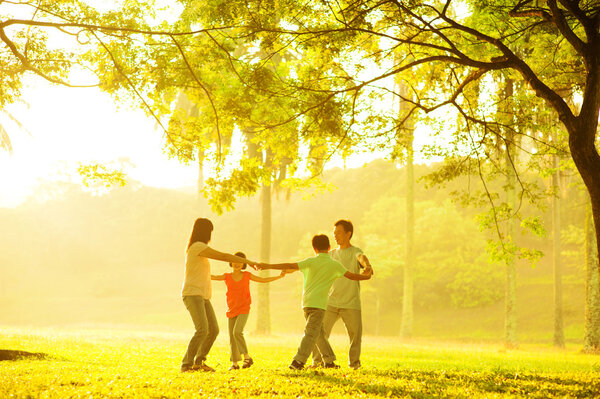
x,y
365,275
278,266
364,262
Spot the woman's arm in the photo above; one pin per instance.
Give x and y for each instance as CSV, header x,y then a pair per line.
x,y
220,277
267,279
210,253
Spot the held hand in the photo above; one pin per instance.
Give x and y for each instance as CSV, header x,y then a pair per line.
x,y
252,264
261,266
283,273
369,270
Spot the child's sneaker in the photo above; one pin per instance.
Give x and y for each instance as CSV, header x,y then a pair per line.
x,y
203,367
296,365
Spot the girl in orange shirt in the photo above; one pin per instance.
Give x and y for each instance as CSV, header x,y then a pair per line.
x,y
238,308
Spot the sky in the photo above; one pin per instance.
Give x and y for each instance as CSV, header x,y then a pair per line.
x,y
66,127
69,126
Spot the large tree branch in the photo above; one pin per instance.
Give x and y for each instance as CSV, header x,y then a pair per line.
x,y
511,60
105,28
332,93
563,26
573,7
28,66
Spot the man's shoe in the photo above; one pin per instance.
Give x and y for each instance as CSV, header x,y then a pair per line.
x,y
186,369
202,367
247,363
331,365
296,365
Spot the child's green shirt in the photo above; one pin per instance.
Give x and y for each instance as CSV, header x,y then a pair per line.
x,y
319,274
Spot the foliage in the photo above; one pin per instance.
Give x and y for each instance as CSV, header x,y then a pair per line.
x,y
481,62
95,175
450,265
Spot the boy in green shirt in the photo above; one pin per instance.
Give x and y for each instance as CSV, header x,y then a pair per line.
x,y
319,274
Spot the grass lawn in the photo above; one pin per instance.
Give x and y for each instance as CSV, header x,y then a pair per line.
x,y
123,364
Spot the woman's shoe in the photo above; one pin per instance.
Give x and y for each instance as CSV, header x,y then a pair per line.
x,y
234,367
247,363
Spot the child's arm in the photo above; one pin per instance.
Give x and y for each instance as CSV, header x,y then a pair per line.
x,y
267,279
278,266
365,275
220,277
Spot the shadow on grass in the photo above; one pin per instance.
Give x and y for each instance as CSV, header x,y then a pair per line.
x,y
426,384
6,354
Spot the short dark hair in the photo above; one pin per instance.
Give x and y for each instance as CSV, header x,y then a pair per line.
x,y
201,231
320,242
347,225
241,255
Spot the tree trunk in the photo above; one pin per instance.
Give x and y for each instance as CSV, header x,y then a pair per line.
x,y
559,335
583,130
378,313
507,113
405,139
200,171
263,316
406,328
591,342
263,313
263,319
510,321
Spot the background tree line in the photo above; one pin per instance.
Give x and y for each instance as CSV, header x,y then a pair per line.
x,y
117,258
306,80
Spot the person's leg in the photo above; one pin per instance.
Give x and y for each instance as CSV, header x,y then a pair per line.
x,y
235,354
329,320
238,333
195,305
352,319
213,331
312,329
324,348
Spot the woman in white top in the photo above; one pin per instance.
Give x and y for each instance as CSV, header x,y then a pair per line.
x,y
196,293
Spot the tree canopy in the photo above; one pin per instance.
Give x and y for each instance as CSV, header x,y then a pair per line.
x,y
316,78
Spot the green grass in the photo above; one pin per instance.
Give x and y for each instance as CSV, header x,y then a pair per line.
x,y
127,364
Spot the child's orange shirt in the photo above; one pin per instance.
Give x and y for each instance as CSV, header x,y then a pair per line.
x,y
238,295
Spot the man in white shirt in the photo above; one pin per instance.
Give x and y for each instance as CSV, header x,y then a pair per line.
x,y
344,296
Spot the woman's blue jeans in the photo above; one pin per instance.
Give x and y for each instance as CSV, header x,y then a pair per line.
x,y
207,329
